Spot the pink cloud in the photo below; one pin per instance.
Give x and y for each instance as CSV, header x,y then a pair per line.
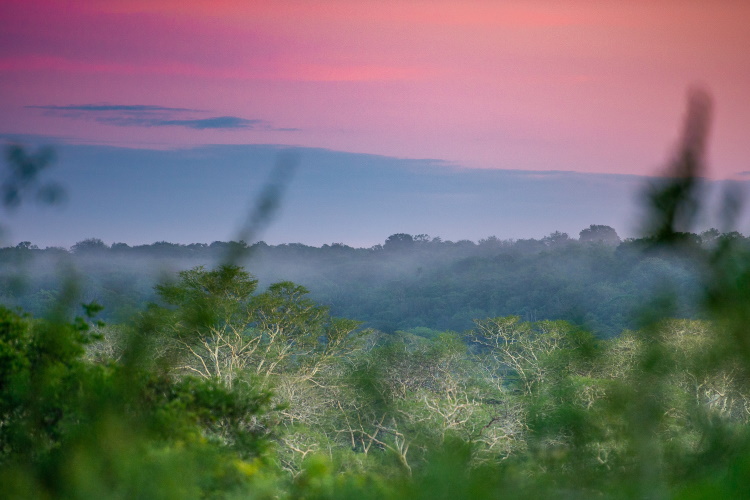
x,y
539,84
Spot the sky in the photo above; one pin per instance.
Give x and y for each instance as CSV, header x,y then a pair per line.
x,y
514,86
147,195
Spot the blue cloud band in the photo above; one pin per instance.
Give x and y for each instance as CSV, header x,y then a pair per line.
x,y
144,115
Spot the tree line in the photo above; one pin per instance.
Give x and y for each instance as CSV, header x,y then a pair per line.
x,y
410,283
223,386
219,389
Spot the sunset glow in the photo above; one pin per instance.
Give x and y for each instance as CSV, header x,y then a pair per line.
x,y
530,85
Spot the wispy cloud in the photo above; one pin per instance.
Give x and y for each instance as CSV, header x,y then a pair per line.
x,y
217,122
112,107
144,115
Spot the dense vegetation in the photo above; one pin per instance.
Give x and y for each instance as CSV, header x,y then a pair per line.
x,y
226,391
410,283
225,387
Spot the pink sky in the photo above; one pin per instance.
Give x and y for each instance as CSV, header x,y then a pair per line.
x,y
538,85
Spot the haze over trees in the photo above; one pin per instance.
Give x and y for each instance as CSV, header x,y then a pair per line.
x,y
223,386
408,282
599,233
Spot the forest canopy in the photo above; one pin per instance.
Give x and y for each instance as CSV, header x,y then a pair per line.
x,y
410,282
216,383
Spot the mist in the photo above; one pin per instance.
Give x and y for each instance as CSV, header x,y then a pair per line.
x,y
408,282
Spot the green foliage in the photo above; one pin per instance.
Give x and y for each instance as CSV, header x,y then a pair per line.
x,y
437,285
71,428
227,392
217,328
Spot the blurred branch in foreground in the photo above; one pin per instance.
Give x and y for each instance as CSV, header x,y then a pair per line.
x,y
23,174
265,207
674,200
